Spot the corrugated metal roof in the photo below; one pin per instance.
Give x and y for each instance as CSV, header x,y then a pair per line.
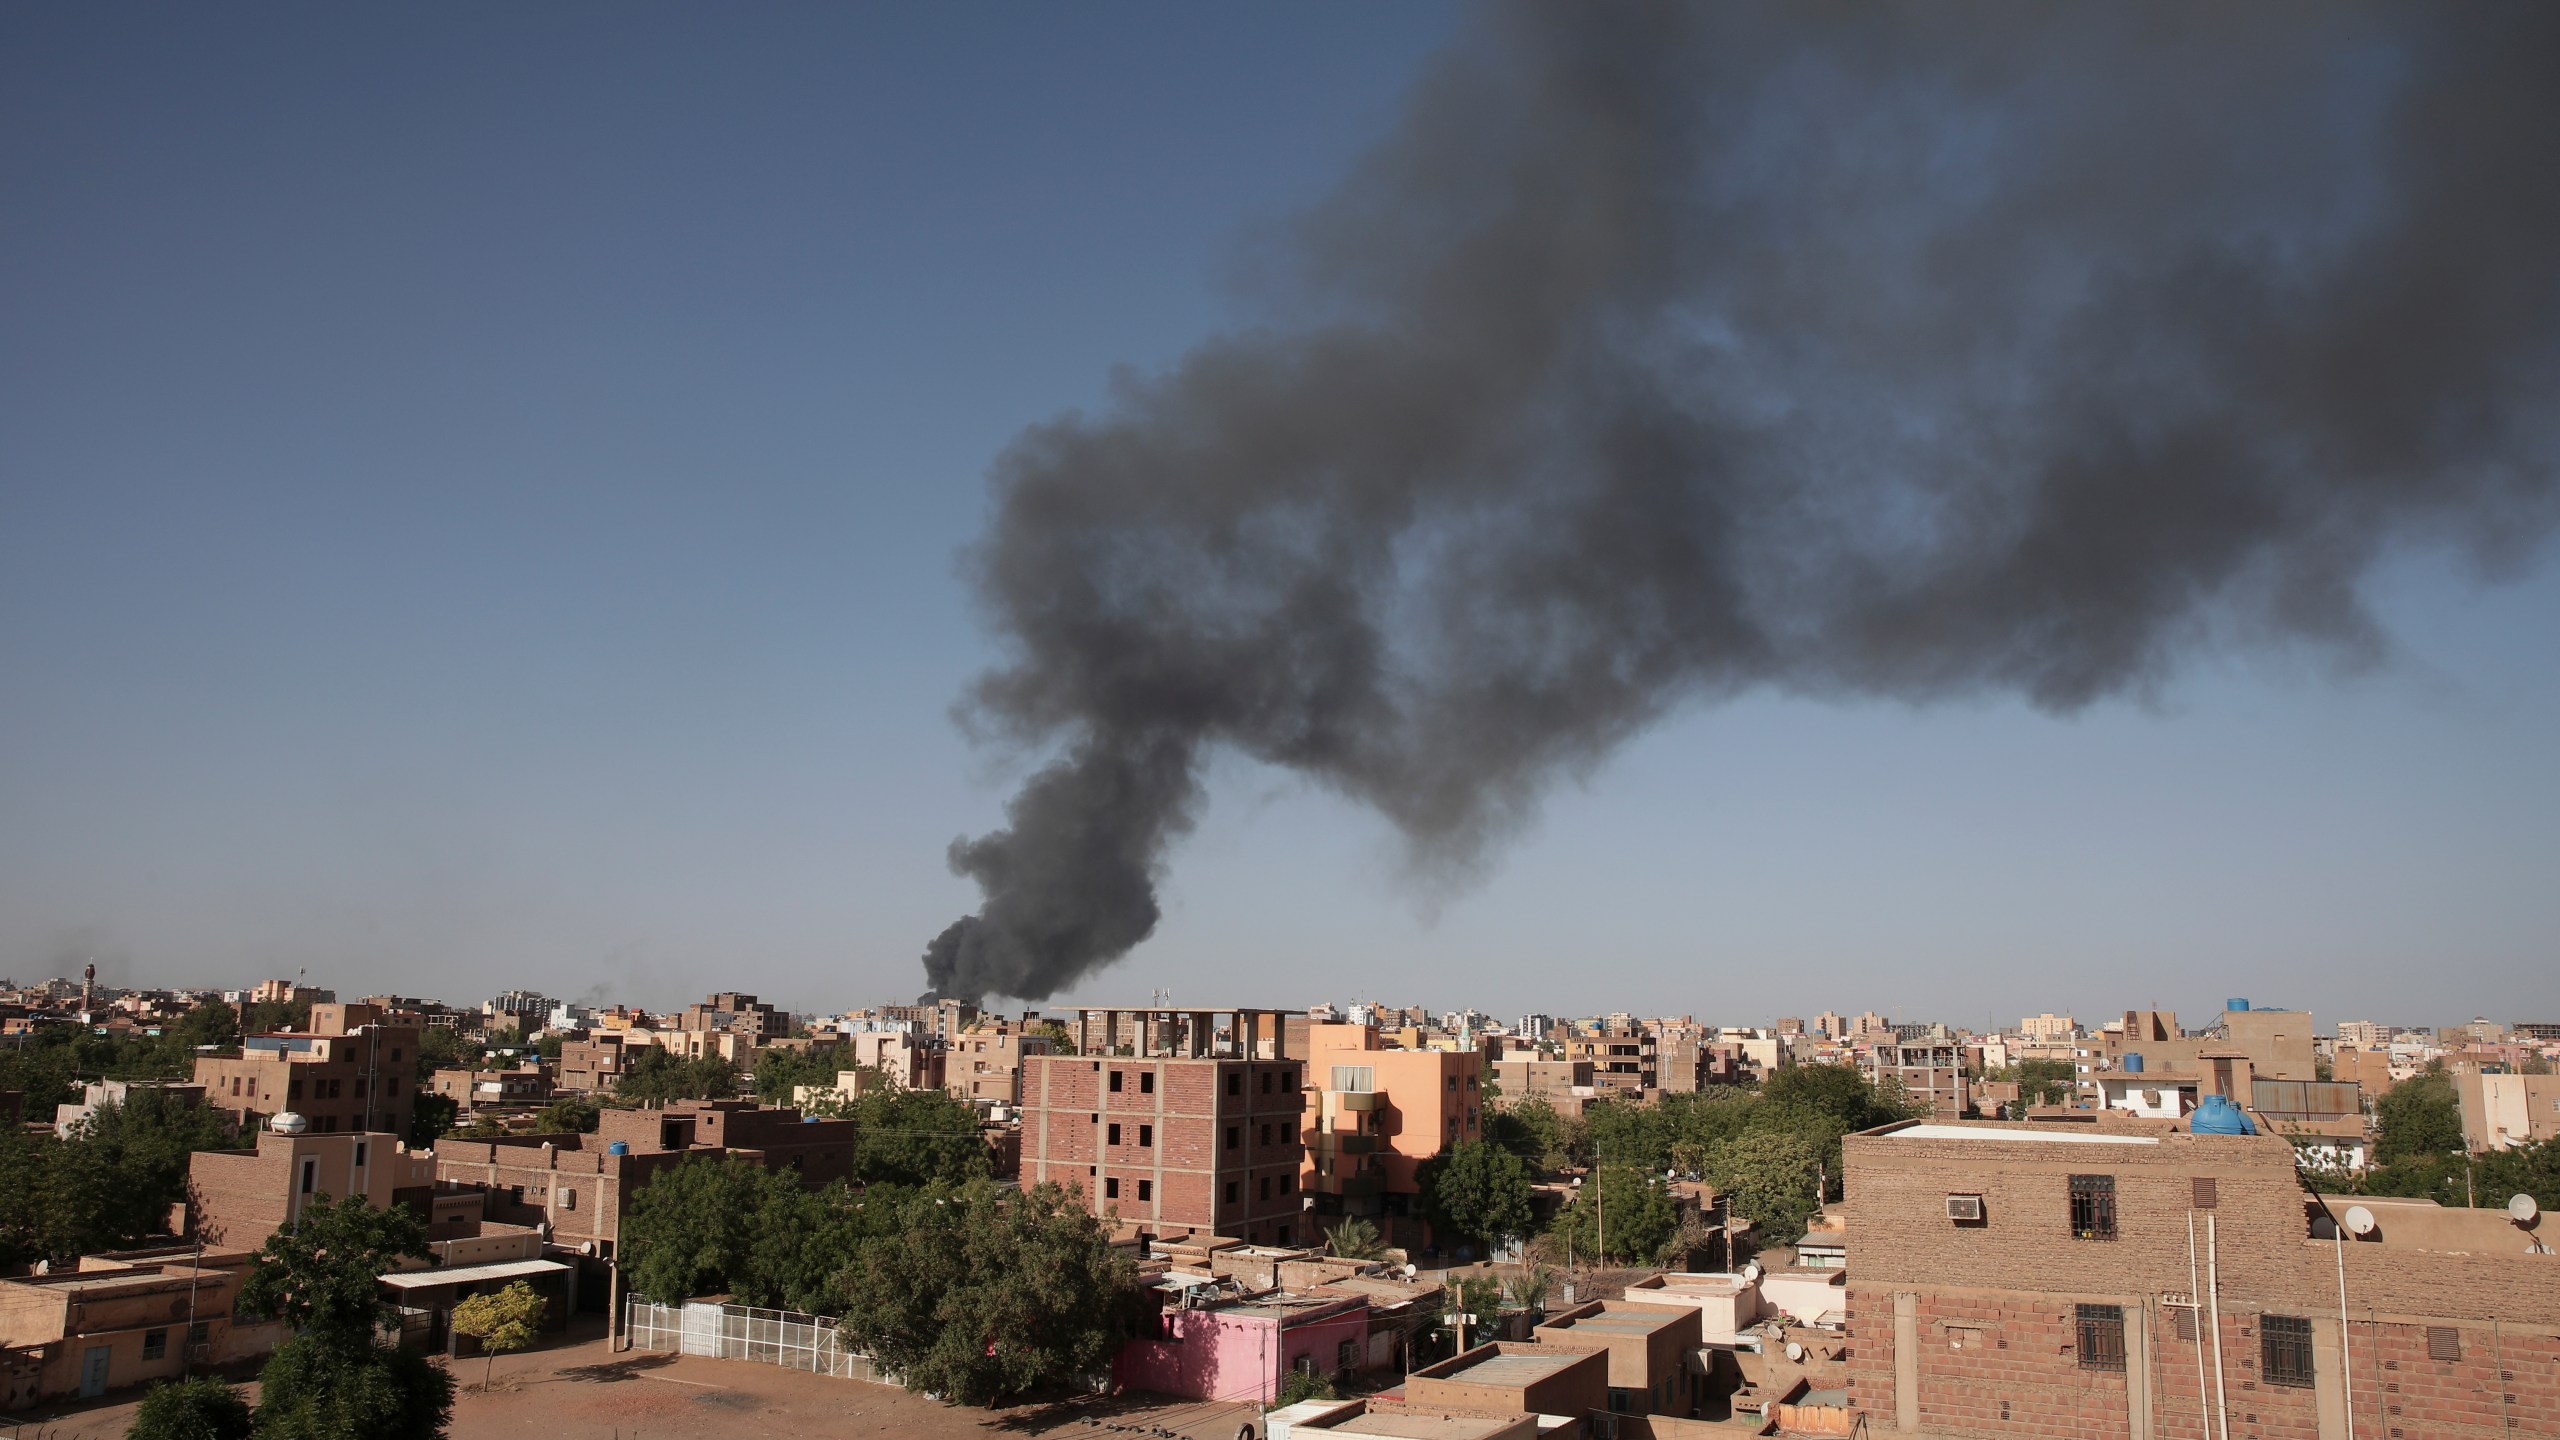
x,y
469,1274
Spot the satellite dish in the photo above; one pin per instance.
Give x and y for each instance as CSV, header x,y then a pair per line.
x,y
288,1123
1410,1271
2522,1209
1751,1270
2359,1220
1795,1350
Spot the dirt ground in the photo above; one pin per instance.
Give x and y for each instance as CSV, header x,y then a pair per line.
x,y
579,1391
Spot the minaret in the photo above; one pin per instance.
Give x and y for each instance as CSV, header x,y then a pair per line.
x,y
88,989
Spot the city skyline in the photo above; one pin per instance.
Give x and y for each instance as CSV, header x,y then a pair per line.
x,y
514,541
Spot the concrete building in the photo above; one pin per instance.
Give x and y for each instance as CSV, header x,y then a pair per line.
x,y
236,1199
2500,1112
492,1089
2048,1028
1239,1348
729,1013
1374,1115
1648,1347
1621,1060
2114,1278
348,1074
597,1063
1512,1378
1194,1130
67,1119
909,1061
123,1320
1930,1072
984,1064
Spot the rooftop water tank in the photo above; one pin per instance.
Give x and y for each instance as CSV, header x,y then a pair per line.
x,y
288,1123
2133,1063
618,1147
2216,1115
2235,1004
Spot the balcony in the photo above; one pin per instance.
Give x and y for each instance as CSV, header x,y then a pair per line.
x,y
1349,1187
1360,1101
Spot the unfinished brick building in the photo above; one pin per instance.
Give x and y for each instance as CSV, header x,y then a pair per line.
x,y
2038,1279
352,1073
1193,1131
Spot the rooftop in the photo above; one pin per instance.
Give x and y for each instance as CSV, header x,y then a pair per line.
x,y
1515,1369
2022,1134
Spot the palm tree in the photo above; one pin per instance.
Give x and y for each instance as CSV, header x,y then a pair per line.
x,y
1355,1239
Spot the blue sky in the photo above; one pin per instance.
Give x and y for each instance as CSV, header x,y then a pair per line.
x,y
479,495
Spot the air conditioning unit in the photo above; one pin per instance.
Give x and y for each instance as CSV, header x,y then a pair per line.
x,y
1964,1208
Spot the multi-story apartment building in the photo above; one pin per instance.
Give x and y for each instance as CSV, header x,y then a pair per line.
x,y
938,1020
1683,1054
1193,1131
910,1062
1374,1114
1563,1084
1931,1073
597,1063
288,992
730,1013
984,1065
236,1199
1621,1060
348,1074
2048,1027
492,1089
2363,1032
2109,1278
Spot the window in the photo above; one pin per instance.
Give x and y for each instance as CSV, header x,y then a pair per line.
x,y
1113,1138
2183,1320
1146,1135
1288,1181
1346,1354
1266,1082
1266,1187
395,1052
1235,1084
2284,1349
1147,1083
1146,1189
359,1154
1281,1234
1266,1134
2444,1343
1231,1192
199,1332
1115,1082
1111,1189
1355,1078
293,1090
2102,1337
1235,1133
155,1344
310,1175
2093,1207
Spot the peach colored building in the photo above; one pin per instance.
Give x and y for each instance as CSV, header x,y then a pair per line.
x,y
1374,1114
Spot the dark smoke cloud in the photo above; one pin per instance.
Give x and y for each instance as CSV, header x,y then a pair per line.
x,y
1667,351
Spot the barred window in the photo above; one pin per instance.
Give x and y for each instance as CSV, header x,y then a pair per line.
x,y
2284,1349
2183,1320
2444,1343
2093,1207
2102,1337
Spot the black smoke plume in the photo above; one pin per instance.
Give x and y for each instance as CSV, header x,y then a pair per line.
x,y
1663,351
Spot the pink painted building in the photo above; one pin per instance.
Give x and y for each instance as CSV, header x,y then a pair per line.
x,y
1238,1350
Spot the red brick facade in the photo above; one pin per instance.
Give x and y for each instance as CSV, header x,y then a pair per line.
x,y
1204,1145
1973,1328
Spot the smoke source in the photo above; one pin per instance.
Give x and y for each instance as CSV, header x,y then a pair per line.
x,y
1663,351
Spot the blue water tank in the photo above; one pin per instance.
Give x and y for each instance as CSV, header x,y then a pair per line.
x,y
618,1147
2235,1004
2216,1115
2133,1063
808,1119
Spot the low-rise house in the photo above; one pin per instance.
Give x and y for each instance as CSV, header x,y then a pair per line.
x,y
492,1089
98,1093
1649,1349
123,1320
1509,1378
236,1199
1212,1345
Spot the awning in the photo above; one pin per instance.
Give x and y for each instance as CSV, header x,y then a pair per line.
x,y
470,1274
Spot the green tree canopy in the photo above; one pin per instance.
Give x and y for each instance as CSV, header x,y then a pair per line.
x,y
916,1137
1768,1177
1631,1206
312,1389
1532,1130
321,1274
569,1115
202,1408
727,1226
985,1292
656,1076
503,1321
2047,1082
1355,1239
1476,1193
779,1072
2421,1115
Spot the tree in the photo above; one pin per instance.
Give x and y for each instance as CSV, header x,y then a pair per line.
x,y
212,1023
657,1076
1300,1385
2046,1082
503,1321
1768,1177
2421,1115
1532,1130
779,1072
333,1380
916,1137
985,1292
1529,1288
1630,1206
431,1118
198,1409
568,1116
1355,1239
692,1229
1475,1192
1061,1040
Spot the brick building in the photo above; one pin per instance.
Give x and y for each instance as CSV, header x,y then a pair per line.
x,y
1193,1131
350,1073
2503,1111
597,1063
236,1199
1930,1072
123,1320
492,1089
2099,1278
730,1013
1621,1060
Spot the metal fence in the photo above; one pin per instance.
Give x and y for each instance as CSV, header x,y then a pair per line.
x,y
741,1332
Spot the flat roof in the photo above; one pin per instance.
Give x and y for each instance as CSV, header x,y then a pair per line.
x,y
1616,1321
469,1274
1518,1369
1940,1131
1415,1427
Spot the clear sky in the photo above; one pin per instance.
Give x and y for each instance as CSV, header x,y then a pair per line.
x,y
479,499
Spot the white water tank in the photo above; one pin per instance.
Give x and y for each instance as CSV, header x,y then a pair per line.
x,y
288,1123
